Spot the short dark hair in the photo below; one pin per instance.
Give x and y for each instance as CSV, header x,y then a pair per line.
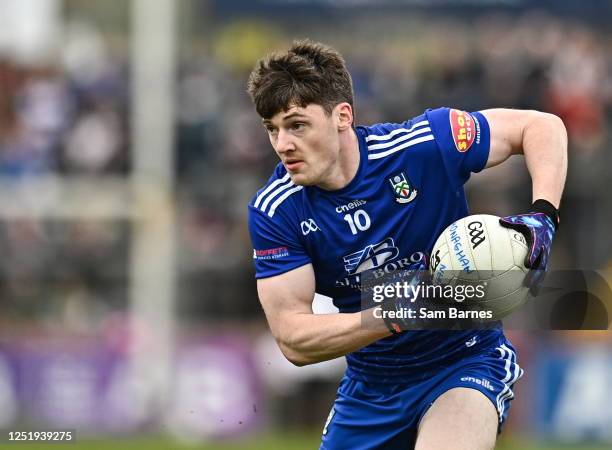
x,y
309,72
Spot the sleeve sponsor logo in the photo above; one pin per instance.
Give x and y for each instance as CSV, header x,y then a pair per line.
x,y
270,253
462,128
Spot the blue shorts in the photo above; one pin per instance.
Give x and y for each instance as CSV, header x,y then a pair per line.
x,y
370,415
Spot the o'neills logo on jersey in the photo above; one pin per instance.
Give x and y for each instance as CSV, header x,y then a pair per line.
x,y
349,206
463,129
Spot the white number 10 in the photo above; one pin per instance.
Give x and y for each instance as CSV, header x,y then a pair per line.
x,y
359,221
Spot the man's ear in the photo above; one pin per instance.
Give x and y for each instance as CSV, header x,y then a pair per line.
x,y
344,115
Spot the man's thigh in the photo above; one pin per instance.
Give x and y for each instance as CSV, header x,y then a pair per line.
x,y
368,416
460,419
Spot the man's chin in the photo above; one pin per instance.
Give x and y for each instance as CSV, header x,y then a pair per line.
x,y
301,179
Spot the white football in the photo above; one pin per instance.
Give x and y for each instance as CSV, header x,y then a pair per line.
x,y
478,250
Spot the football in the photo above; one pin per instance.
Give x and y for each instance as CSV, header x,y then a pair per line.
x,y
477,250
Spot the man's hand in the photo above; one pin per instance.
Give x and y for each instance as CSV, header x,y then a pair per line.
x,y
415,274
538,226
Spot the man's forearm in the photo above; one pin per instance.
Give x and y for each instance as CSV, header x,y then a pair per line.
x,y
309,338
545,150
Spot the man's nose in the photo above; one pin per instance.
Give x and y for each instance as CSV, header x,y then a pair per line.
x,y
284,142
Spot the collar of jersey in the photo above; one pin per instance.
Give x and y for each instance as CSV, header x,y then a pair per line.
x,y
363,161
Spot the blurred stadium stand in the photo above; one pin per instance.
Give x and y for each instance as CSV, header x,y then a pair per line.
x,y
80,234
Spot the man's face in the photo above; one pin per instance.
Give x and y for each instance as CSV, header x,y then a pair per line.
x,y
306,140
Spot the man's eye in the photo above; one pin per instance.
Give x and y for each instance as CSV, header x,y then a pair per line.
x,y
271,130
297,126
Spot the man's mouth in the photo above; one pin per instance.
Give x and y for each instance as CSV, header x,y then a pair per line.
x,y
293,164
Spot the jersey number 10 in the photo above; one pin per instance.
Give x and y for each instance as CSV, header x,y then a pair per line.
x,y
358,221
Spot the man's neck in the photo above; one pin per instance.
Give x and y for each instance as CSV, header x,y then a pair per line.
x,y
348,162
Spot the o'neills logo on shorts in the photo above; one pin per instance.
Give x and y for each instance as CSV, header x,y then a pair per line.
x,y
482,382
462,126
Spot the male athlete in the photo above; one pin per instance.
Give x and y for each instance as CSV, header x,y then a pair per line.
x,y
346,199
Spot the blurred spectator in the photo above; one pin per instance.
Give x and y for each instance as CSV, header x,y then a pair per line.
x,y
94,142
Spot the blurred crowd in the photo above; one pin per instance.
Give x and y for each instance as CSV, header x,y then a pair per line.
x,y
64,114
69,115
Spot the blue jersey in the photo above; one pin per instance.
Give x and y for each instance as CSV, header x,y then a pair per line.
x,y
407,190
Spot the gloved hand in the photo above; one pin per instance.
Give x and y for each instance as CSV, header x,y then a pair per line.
x,y
538,226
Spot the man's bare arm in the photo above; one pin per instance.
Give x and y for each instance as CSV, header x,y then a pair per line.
x,y
541,137
306,338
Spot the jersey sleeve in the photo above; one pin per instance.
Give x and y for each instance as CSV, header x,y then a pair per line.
x,y
275,250
463,139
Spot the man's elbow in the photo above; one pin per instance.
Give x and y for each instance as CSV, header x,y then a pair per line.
x,y
295,357
544,127
298,361
555,122
292,349
560,130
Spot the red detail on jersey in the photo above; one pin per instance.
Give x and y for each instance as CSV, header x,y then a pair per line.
x,y
271,253
462,127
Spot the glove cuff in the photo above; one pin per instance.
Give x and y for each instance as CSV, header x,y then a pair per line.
x,y
545,207
393,325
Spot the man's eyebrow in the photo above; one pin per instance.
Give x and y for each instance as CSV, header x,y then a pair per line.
x,y
290,116
293,114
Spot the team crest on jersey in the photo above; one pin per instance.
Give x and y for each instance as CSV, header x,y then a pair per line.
x,y
402,188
